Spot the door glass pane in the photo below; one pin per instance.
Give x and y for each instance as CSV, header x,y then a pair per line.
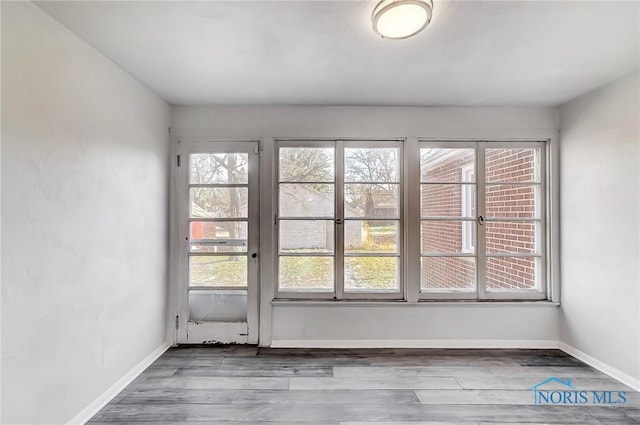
x,y
511,237
372,200
512,165
218,202
371,165
361,236
448,274
448,237
219,168
218,270
507,201
448,165
220,236
307,200
371,274
218,305
509,273
306,236
448,200
306,274
306,164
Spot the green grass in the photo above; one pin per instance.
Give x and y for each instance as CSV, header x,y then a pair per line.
x,y
306,273
382,230
361,273
371,273
218,271
316,273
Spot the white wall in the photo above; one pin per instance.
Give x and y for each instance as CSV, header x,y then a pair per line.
x,y
447,325
1,290
344,324
346,121
600,198
84,211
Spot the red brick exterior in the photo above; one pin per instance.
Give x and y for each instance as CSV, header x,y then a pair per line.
x,y
503,200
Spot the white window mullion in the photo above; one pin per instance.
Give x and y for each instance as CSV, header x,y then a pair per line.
x,y
412,219
339,220
542,236
480,220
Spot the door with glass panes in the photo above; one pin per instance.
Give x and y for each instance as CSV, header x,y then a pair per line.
x,y
218,239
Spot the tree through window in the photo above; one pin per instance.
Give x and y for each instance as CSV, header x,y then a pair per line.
x,y
339,206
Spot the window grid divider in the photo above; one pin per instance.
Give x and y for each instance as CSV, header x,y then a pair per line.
x,y
481,271
339,223
412,243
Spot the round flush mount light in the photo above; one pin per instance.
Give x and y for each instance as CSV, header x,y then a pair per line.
x,y
399,19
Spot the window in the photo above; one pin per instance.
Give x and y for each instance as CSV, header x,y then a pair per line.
x,y
497,252
339,219
445,185
477,229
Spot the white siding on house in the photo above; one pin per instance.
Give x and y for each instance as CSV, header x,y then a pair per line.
x,y
301,201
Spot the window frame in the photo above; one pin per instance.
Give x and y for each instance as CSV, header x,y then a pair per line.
x,y
180,250
278,293
339,254
468,205
542,292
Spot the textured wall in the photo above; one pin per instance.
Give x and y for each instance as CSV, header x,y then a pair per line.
x,y
84,211
600,195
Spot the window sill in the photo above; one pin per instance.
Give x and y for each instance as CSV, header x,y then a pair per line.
x,y
421,303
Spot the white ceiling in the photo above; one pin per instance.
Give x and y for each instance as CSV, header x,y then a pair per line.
x,y
325,53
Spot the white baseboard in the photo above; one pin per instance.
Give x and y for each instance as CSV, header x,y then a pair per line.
x,y
601,366
89,412
410,343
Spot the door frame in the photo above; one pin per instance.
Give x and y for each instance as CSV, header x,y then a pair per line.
x,y
197,332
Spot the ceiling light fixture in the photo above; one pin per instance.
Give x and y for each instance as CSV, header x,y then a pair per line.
x,y
399,19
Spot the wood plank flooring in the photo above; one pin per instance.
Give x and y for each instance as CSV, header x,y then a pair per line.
x,y
235,385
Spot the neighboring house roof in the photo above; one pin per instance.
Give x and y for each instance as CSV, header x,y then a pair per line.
x,y
437,157
384,200
301,193
198,212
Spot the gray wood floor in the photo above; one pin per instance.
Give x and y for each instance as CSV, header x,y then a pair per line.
x,y
234,385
